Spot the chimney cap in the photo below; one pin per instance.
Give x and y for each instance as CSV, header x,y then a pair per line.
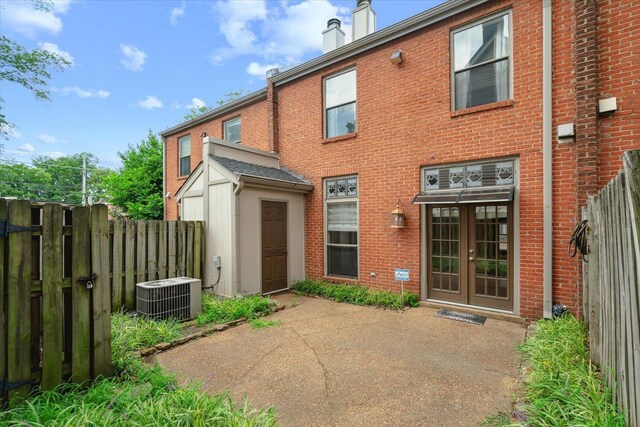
x,y
333,21
361,2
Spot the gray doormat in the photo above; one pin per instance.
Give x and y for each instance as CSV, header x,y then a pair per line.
x,y
462,317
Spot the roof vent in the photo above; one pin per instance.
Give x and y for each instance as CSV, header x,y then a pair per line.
x,y
363,19
333,36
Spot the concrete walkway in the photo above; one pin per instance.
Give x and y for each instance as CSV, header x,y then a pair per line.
x,y
337,364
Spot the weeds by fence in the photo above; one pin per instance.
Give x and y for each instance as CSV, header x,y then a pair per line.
x,y
612,294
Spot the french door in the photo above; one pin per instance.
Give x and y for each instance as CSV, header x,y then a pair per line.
x,y
470,254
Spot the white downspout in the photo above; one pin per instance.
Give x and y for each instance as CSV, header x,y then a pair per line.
x,y
205,210
547,160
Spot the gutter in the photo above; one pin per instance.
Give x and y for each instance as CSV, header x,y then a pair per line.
x,y
402,28
547,161
224,109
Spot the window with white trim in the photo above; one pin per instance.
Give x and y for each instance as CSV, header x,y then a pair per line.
x,y
341,226
232,130
481,63
184,163
340,104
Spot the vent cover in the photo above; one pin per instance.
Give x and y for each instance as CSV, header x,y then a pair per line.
x,y
178,298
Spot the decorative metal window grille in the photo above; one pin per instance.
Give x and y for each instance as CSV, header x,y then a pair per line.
x,y
341,187
470,176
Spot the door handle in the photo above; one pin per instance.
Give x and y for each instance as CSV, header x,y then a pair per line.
x,y
471,258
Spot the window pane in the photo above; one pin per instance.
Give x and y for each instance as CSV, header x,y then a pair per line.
x,y
482,85
343,237
342,261
232,130
481,43
342,216
341,120
340,89
185,146
185,165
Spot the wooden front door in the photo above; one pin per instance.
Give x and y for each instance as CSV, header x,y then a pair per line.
x,y
274,246
470,254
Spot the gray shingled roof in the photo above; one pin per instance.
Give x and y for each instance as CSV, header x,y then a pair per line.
x,y
243,168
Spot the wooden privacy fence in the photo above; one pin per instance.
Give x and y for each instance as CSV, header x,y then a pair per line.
x,y
63,270
612,294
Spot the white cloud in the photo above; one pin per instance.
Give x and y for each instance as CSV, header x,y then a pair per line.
x,y
150,102
176,13
260,70
46,138
55,154
133,58
27,148
53,48
195,103
280,32
83,93
22,17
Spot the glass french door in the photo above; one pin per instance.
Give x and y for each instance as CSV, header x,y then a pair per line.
x,y
470,254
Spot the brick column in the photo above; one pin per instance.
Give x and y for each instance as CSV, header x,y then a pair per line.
x,y
272,102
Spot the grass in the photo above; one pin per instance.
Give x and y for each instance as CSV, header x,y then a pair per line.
x,y
137,395
355,294
563,388
218,310
262,324
499,420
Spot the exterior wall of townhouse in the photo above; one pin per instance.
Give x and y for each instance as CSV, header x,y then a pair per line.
x,y
405,122
254,133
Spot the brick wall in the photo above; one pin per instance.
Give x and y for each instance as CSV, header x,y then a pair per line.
x,y
254,133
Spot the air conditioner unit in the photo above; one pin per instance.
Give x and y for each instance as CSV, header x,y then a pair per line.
x,y
178,298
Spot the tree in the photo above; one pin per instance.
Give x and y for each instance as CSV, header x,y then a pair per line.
x,y
198,111
28,68
136,188
56,180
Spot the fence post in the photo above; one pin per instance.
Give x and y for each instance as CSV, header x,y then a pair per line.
x,y
197,252
141,252
101,291
3,338
130,265
116,295
173,256
52,302
80,295
19,299
162,250
152,250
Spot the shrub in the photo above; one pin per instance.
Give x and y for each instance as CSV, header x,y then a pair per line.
x,y
220,310
355,294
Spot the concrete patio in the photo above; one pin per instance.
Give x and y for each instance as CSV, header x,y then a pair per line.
x,y
337,364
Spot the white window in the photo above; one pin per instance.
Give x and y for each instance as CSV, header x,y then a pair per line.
x,y
232,130
340,104
481,65
341,235
184,147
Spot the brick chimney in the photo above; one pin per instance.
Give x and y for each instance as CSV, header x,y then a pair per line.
x,y
363,20
333,36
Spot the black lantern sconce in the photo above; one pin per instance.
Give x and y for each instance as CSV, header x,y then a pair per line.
x,y
397,216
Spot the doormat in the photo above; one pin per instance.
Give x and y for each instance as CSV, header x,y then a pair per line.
x,y
461,317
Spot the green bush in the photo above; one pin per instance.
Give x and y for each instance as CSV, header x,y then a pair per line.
x,y
355,294
220,310
563,388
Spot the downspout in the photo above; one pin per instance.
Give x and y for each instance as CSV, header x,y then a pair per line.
x,y
547,160
205,209
236,280
164,179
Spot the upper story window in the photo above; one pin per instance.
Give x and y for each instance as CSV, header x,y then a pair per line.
x,y
184,148
341,238
232,130
482,62
340,104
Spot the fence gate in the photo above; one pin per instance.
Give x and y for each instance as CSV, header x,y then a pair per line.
x,y
55,295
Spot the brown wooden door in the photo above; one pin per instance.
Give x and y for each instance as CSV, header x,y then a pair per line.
x,y
274,246
470,254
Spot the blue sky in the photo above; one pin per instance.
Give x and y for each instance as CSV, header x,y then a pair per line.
x,y
139,65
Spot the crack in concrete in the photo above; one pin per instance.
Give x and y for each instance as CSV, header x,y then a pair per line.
x,y
324,369
257,362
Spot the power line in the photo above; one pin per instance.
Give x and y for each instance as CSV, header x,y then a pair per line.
x,y
48,165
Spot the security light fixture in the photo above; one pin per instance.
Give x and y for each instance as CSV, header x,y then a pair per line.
x,y
397,216
396,57
203,135
168,195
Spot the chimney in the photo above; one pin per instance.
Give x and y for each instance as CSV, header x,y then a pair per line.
x,y
333,36
364,20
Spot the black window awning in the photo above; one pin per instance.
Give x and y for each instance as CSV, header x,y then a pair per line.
x,y
467,195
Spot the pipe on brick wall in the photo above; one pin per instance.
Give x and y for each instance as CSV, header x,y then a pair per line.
x,y
547,161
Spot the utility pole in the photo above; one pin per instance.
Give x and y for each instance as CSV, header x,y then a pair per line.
x,y
84,180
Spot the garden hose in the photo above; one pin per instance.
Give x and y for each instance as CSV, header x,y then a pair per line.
x,y
579,240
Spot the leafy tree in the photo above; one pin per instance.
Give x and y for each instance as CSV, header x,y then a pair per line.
x,y
136,188
28,68
56,180
198,111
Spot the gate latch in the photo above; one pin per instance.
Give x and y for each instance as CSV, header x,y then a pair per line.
x,y
88,281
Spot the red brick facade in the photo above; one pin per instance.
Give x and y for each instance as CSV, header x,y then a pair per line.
x,y
405,122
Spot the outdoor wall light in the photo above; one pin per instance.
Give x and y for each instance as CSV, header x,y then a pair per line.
x,y
396,57
397,216
203,135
